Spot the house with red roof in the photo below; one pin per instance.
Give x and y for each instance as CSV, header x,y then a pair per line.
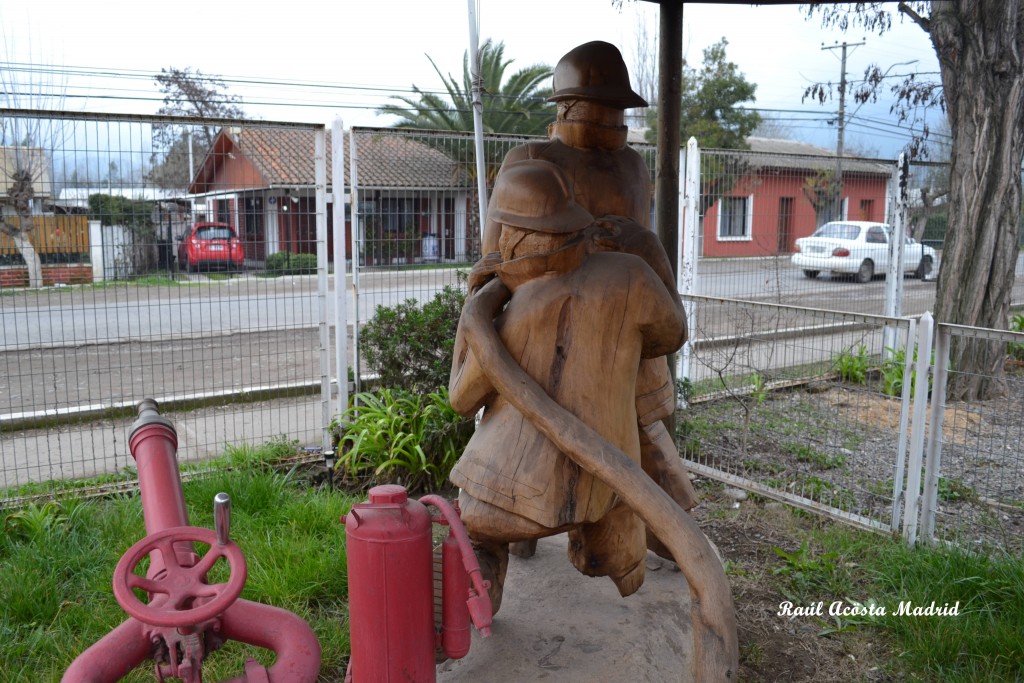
x,y
411,198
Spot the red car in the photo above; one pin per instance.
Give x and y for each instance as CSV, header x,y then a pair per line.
x,y
211,245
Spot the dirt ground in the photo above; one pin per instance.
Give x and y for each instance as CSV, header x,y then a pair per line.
x,y
774,648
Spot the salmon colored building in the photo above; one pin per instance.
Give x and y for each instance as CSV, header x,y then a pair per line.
x,y
759,201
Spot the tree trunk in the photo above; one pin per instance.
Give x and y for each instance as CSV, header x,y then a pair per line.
x,y
980,47
27,251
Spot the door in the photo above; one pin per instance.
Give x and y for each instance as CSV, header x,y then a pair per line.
x,y
785,243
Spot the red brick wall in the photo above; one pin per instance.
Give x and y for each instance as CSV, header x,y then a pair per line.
x,y
17,276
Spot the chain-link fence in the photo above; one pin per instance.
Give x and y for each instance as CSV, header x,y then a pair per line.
x,y
974,472
414,201
800,404
184,260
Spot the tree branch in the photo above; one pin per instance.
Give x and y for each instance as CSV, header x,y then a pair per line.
x,y
923,22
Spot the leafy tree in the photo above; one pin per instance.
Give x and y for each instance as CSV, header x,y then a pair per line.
x,y
980,46
822,189
516,105
710,113
187,93
710,109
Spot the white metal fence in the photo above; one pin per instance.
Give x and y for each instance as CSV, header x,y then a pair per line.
x,y
211,333
787,397
973,477
798,404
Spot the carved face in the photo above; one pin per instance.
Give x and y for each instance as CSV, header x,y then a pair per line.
x,y
586,111
517,242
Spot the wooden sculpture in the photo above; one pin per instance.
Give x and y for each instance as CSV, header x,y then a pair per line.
x,y
562,343
607,177
551,348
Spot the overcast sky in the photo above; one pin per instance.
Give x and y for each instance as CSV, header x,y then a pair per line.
x,y
352,56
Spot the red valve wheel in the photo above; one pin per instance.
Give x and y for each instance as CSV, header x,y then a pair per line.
x,y
179,584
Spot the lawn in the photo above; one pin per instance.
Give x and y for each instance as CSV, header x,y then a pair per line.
x,y
57,560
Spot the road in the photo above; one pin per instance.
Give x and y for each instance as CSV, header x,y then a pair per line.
x,y
67,347
74,316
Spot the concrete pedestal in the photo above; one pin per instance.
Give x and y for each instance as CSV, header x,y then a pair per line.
x,y
556,624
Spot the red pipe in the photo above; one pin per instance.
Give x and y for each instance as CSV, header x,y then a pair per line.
x,y
479,603
154,445
272,628
113,656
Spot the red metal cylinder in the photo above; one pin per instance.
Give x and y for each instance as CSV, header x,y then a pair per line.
x,y
455,591
390,588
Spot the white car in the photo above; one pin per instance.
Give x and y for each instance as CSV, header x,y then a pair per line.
x,y
858,248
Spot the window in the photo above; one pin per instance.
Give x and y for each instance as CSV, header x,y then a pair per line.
x,y
224,210
876,236
735,217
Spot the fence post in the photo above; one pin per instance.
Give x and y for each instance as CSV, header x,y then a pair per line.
x,y
933,461
320,179
901,449
687,267
357,247
340,268
913,505
894,273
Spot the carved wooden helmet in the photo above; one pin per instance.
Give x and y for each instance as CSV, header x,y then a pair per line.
x,y
534,194
594,71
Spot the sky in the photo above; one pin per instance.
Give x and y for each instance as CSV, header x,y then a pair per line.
x,y
315,61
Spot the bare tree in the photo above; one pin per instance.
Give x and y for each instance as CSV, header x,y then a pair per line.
x,y
771,126
188,92
25,156
645,68
980,46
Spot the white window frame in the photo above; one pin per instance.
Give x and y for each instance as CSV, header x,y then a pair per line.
x,y
749,227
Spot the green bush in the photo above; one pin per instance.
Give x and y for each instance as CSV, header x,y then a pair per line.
x,y
286,263
1016,349
893,368
853,367
410,346
397,436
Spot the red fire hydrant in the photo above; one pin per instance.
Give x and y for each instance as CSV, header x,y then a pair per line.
x,y
186,617
391,588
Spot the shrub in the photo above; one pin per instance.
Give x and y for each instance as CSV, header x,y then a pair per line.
x,y
286,263
409,346
397,436
893,368
1016,349
853,367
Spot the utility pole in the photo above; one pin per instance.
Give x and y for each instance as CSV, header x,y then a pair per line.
x,y
838,202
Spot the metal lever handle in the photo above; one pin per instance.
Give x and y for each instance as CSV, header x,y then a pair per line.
x,y
222,517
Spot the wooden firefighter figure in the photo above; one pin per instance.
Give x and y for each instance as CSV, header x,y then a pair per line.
x,y
606,177
578,319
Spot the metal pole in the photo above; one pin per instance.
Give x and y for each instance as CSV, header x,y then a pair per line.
x,y
933,455
357,245
478,113
688,250
841,126
894,272
320,170
340,266
666,182
913,506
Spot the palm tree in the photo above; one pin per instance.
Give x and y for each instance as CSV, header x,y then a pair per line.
x,y
518,105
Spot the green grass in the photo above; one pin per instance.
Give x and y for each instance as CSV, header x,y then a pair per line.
x,y
290,534
980,645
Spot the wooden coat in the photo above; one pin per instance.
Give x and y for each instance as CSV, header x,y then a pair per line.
x,y
578,323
